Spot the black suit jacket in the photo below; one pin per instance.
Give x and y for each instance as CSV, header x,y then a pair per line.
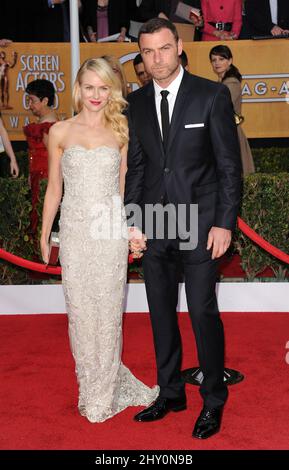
x,y
258,16
202,164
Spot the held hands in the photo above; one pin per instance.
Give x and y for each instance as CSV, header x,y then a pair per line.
x,y
219,239
137,242
224,35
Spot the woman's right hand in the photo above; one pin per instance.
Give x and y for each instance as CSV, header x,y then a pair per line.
x,y
44,246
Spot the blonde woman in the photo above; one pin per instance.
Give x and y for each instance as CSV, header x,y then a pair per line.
x,y
89,151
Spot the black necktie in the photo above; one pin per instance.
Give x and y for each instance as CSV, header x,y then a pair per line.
x,y
165,117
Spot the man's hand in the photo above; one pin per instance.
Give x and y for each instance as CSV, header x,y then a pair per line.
x,y
219,239
222,35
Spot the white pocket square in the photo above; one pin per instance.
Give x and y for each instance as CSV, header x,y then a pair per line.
x,y
191,126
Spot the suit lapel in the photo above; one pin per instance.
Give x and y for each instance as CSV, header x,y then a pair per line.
x,y
179,108
153,122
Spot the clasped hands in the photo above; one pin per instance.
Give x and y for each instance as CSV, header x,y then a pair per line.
x,y
137,242
219,240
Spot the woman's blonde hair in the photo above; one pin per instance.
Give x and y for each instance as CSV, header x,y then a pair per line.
x,y
118,70
116,104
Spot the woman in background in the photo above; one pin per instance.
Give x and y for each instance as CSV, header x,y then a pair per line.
x,y
102,18
222,62
89,152
222,19
40,100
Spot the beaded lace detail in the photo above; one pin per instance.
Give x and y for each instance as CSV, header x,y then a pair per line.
x,y
94,277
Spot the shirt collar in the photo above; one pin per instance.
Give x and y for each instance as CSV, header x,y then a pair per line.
x,y
173,87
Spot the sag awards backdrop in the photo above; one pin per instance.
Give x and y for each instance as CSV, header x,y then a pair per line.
x,y
263,64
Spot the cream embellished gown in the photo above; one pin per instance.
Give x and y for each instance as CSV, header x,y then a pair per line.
x,y
93,255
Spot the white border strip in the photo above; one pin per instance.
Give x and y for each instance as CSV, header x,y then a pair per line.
x,y
264,100
232,297
266,75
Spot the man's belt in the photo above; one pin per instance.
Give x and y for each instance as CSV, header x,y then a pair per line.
x,y
221,26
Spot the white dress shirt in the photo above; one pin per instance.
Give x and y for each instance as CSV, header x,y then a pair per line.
x,y
274,11
173,89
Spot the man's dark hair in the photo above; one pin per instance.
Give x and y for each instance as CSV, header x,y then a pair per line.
x,y
42,89
156,24
184,59
137,60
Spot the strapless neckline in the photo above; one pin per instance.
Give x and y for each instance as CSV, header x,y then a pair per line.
x,y
93,149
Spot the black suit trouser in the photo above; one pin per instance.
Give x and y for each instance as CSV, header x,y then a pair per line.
x,y
161,263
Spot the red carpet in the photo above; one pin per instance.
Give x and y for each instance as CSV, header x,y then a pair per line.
x,y
38,393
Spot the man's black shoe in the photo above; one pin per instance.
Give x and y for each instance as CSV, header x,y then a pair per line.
x,y
160,408
208,423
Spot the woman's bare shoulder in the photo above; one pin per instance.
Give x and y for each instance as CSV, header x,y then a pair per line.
x,y
61,127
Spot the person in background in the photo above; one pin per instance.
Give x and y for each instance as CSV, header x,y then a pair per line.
x,y
135,19
222,19
40,99
166,9
102,18
246,32
222,63
267,17
14,170
118,70
143,77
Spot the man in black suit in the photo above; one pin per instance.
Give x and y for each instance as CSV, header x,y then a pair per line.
x,y
265,17
183,150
